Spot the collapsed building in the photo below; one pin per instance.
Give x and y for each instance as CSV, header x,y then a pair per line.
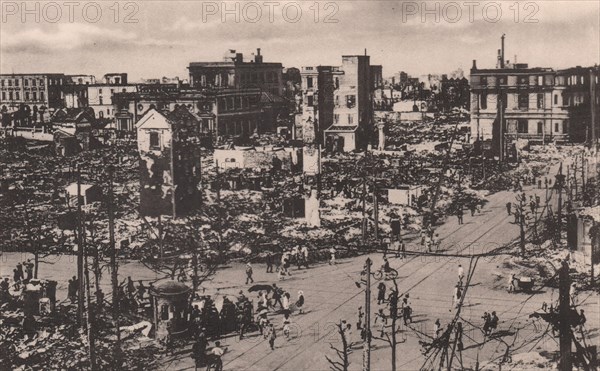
x,y
168,144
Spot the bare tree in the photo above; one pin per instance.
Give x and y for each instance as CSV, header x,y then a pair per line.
x,y
342,363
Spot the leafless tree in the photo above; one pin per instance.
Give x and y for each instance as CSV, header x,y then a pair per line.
x,y
342,363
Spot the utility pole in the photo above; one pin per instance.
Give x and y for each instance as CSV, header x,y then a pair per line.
x,y
114,268
559,183
375,210
565,319
367,341
521,212
593,108
80,279
364,212
583,177
89,312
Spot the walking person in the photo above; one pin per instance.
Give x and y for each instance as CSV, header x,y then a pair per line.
x,y
582,320
461,274
437,327
511,283
272,335
17,278
29,270
332,252
300,302
304,253
286,303
459,214
457,295
508,208
277,296
21,273
286,326
381,293
361,315
403,249
269,261
249,273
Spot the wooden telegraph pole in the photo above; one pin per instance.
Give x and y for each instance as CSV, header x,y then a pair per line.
x,y
367,340
559,184
375,210
364,212
80,278
114,267
564,313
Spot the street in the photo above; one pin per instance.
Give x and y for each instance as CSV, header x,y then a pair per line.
x,y
331,295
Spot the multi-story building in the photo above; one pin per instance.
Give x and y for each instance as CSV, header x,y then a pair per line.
x,y
578,91
35,91
119,78
353,106
169,162
222,112
317,102
234,72
515,101
82,79
100,96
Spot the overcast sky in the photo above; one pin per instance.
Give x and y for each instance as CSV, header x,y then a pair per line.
x,y
170,34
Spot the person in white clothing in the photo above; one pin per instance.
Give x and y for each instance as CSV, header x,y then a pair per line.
x,y
461,274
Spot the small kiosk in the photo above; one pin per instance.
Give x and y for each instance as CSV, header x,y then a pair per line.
x,y
170,306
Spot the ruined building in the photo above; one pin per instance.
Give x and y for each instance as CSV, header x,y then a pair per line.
x,y
516,102
168,144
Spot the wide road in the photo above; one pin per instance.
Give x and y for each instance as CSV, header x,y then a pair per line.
x,y
331,295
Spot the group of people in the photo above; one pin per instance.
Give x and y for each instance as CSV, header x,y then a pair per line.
x,y
490,323
396,308
21,275
430,239
297,255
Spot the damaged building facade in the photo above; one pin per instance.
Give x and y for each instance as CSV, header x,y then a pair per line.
x,y
169,162
514,101
337,103
222,112
28,96
234,72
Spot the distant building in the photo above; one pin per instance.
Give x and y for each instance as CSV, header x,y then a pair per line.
x,y
454,93
100,97
222,112
537,104
353,106
236,73
115,79
82,79
169,162
164,80
317,102
36,91
72,130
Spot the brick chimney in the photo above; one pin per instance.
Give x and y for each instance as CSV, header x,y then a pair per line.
x,y
258,58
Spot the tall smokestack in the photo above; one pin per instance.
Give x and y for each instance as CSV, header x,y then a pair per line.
x,y
502,59
499,59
